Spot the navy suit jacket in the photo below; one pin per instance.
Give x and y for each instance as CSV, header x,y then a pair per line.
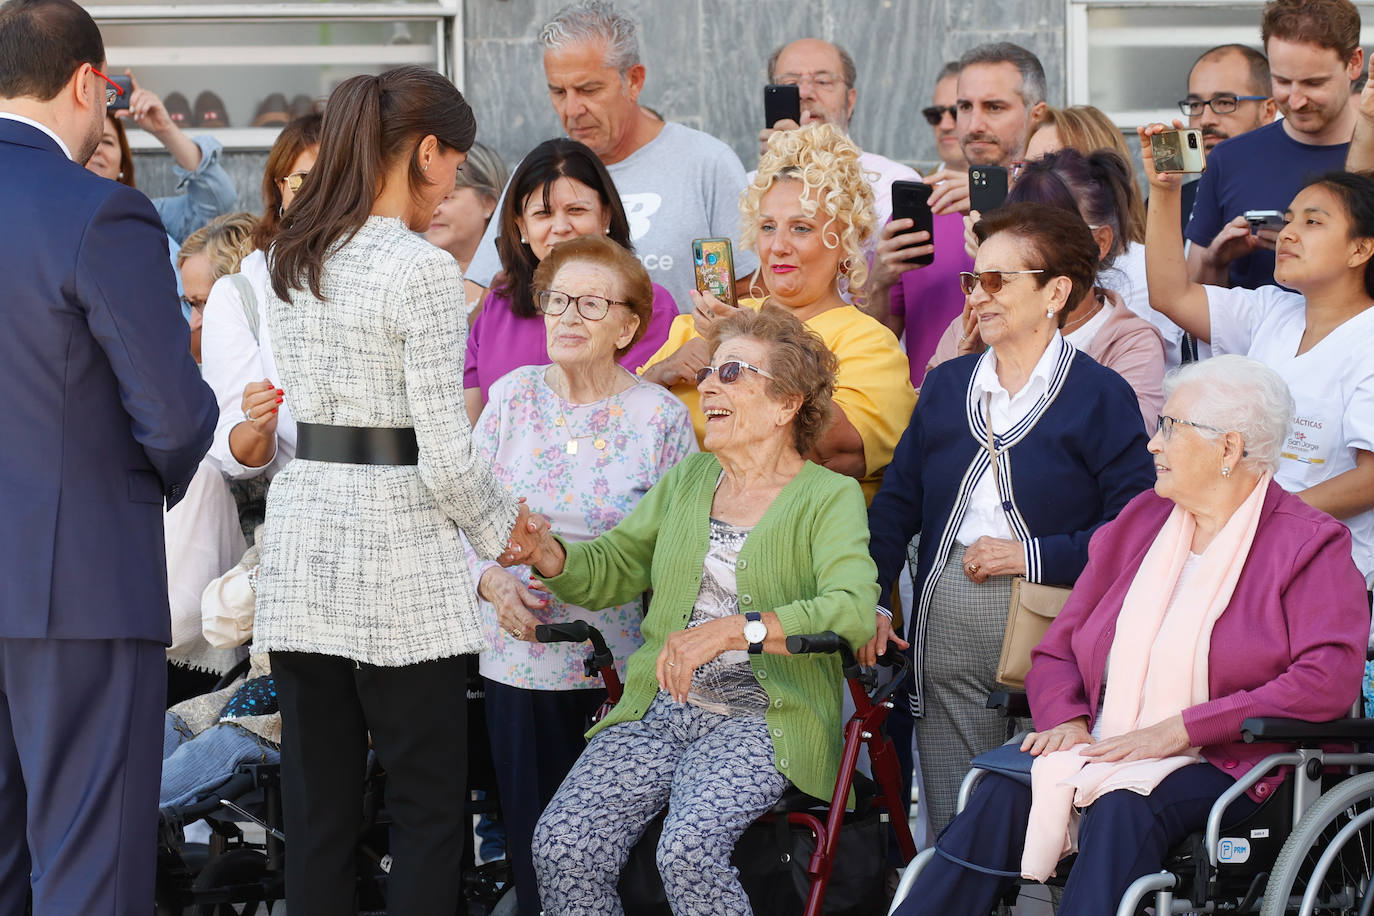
x,y
104,413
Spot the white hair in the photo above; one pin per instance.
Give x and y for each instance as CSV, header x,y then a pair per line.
x,y
595,20
1243,395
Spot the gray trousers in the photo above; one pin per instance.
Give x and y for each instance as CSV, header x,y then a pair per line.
x,y
963,645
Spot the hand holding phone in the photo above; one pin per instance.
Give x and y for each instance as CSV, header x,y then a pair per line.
x,y
987,187
714,266
781,102
1178,151
911,200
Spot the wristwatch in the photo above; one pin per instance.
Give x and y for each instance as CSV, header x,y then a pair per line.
x,y
755,631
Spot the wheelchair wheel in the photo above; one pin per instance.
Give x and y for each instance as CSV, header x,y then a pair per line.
x,y
1326,864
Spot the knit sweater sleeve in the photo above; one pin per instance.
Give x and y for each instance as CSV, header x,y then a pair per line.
x,y
611,569
846,591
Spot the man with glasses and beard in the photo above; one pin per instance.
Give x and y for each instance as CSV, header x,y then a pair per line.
x,y
1228,95
1314,53
107,419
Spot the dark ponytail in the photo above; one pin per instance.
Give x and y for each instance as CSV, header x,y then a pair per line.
x,y
369,122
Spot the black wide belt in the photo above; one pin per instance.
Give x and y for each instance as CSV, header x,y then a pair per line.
x,y
357,444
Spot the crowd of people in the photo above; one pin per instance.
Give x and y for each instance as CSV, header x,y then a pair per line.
x,y
422,404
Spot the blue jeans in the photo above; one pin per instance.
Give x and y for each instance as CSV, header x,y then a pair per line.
x,y
194,767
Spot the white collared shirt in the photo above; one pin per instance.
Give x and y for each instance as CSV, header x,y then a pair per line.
x,y
984,516
11,116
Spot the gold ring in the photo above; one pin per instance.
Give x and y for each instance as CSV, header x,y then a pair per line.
x,y
973,567
672,664
514,633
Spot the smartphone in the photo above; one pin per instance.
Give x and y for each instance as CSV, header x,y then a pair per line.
x,y
781,103
715,268
987,187
1264,219
911,200
1178,151
121,103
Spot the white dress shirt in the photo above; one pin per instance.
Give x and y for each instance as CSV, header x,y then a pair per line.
x,y
984,516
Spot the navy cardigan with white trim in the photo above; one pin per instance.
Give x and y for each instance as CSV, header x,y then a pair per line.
x,y
1077,458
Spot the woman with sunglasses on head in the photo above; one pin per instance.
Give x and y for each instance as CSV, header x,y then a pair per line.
x,y
742,546
1313,330
364,603
560,191
256,435
808,213
582,440
1012,459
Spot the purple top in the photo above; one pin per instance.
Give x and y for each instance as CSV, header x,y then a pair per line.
x,y
1290,642
929,298
500,341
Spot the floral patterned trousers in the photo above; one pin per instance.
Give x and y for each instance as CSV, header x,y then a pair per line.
x,y
716,775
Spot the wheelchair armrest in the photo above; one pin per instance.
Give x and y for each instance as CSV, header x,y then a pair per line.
x,y
1009,704
1272,728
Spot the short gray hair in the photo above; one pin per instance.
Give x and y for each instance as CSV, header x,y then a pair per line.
x,y
1004,52
1243,395
595,20
484,171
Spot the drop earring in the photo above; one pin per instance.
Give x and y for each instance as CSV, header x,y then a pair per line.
x,y
1049,312
1225,471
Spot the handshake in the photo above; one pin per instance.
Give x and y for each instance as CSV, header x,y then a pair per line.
x,y
532,544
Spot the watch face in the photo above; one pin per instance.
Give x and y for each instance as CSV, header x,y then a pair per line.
x,y
755,631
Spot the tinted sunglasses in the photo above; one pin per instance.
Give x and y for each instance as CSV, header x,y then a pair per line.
x,y
294,181
936,113
729,371
992,281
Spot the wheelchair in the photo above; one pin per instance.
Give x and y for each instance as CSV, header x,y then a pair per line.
x,y
237,875
792,856
1307,849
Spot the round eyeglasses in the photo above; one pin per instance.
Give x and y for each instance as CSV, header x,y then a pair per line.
x,y
592,308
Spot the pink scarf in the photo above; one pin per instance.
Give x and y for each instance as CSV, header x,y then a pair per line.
x,y
1144,687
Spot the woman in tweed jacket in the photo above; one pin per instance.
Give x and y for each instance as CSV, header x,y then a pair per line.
x,y
364,600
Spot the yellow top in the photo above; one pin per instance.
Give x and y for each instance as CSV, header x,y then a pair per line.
x,y
872,386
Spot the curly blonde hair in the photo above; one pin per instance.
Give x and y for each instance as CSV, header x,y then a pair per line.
x,y
826,162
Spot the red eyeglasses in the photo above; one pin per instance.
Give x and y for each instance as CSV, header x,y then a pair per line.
x,y
112,91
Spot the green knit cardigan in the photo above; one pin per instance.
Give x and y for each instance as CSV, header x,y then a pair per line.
x,y
806,560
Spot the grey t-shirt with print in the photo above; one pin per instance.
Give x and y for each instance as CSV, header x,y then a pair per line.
x,y
681,185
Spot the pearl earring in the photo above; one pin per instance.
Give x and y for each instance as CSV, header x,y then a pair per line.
x,y
1225,471
1049,312
524,241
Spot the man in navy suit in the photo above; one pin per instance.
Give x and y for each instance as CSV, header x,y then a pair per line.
x,y
105,419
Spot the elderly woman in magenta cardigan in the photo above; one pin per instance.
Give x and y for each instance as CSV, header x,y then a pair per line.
x,y
742,547
1216,597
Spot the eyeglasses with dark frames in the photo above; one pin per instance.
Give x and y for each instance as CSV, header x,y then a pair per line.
x,y
112,91
592,308
992,281
936,113
1221,104
730,371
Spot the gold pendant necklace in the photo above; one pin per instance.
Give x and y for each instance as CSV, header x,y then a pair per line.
x,y
570,447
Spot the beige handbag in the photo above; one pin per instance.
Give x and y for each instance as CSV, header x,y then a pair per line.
x,y
1033,606
1033,609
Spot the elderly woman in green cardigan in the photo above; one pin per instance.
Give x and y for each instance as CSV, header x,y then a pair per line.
x,y
742,545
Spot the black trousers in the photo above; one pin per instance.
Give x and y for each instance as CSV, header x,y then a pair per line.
x,y
417,718
536,737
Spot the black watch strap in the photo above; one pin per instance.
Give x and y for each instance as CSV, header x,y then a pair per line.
x,y
755,648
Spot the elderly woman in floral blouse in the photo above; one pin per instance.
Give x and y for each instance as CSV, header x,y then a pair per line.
x,y
583,440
